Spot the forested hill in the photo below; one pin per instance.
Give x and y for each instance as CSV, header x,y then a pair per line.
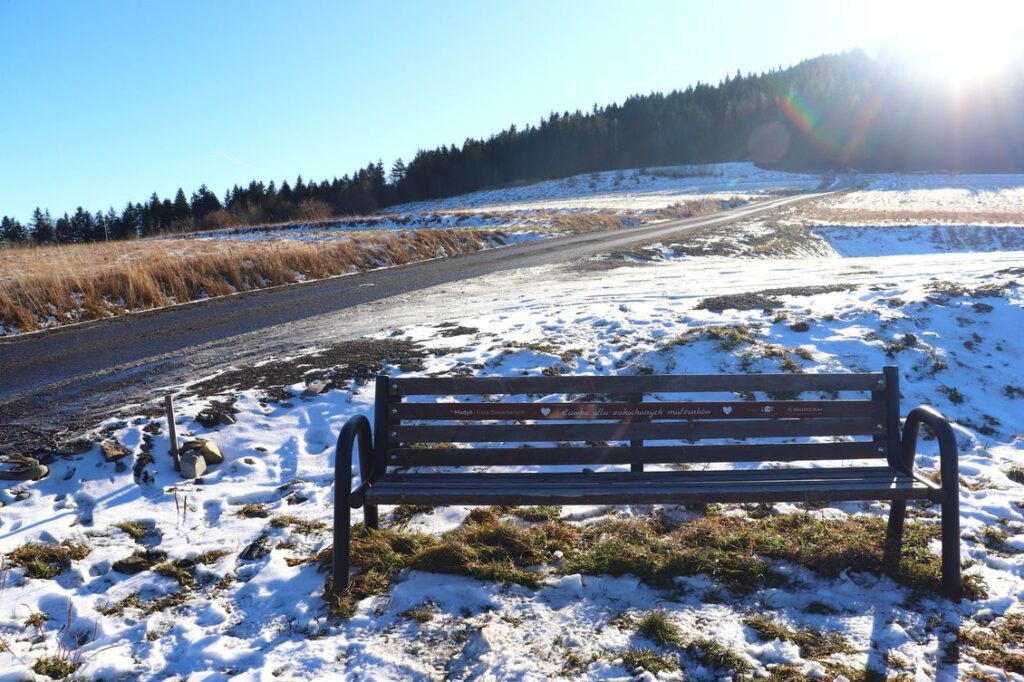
x,y
837,111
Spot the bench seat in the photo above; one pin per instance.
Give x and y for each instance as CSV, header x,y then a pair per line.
x,y
817,484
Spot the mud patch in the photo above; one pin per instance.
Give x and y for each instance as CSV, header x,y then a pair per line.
x,y
766,299
359,359
448,329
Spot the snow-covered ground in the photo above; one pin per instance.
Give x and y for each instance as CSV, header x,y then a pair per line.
x,y
928,198
244,602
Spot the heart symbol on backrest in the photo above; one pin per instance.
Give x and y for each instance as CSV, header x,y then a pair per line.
x,y
727,409
545,411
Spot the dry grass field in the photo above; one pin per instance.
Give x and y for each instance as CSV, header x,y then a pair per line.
x,y
57,285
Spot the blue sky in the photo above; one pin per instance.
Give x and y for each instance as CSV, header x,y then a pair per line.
x,y
106,101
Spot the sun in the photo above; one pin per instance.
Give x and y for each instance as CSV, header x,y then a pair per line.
x,y
958,42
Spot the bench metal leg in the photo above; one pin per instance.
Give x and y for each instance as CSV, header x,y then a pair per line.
x,y
370,516
951,544
342,540
894,538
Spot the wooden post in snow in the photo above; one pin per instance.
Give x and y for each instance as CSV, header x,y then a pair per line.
x,y
172,432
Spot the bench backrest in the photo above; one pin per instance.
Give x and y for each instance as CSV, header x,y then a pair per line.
x,y
596,420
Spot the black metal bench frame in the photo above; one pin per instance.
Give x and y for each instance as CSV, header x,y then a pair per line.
x,y
384,449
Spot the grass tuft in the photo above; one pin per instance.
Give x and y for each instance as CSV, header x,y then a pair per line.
x,y
656,626
134,601
176,572
402,514
36,620
211,556
253,510
535,514
716,655
55,667
812,644
420,615
135,530
649,660
298,524
45,561
992,645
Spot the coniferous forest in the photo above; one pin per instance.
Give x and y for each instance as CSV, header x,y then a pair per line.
x,y
831,112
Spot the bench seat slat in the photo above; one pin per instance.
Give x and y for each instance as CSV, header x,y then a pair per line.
x,y
435,490
613,477
648,383
514,433
626,412
651,454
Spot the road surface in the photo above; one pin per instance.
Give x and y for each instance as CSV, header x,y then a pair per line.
x,y
51,378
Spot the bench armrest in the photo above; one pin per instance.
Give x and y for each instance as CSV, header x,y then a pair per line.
x,y
949,466
356,431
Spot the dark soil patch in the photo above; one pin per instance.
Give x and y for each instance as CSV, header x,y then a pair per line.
x,y
745,301
766,299
359,359
449,329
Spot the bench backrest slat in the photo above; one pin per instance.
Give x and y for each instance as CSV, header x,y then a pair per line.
x,y
619,421
642,383
526,433
627,412
650,454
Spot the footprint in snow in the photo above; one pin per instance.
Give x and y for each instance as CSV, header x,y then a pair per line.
x,y
213,510
86,504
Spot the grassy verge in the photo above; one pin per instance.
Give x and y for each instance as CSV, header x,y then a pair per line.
x,y
733,551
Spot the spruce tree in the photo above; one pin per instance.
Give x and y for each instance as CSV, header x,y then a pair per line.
x,y
42,227
81,226
62,230
12,231
180,208
203,203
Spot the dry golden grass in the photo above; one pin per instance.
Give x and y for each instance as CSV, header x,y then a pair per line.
x,y
687,209
68,284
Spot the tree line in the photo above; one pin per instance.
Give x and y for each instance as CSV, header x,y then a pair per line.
x,y
835,111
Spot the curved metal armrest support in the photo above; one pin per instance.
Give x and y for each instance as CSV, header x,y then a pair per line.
x,y
949,470
949,466
355,431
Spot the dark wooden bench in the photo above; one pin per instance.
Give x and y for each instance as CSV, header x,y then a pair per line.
x,y
616,420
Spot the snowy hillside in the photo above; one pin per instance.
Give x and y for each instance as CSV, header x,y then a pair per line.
x,y
638,188
592,201
222,577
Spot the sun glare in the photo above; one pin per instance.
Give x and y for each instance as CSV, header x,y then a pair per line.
x,y
958,42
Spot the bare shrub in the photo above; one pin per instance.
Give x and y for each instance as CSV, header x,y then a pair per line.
x,y
248,214
218,220
313,209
